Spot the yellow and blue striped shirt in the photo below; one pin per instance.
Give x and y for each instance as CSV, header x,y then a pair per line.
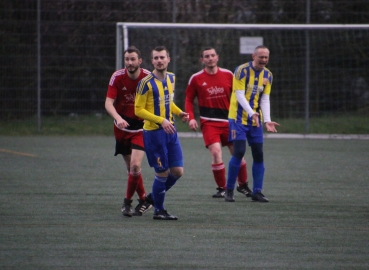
x,y
254,83
154,100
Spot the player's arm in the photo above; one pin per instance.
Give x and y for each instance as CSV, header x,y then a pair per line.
x,y
240,95
246,106
189,107
119,121
167,126
190,97
109,104
177,111
140,111
265,108
238,89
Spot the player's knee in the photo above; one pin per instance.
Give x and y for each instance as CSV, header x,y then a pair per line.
x,y
135,169
176,171
239,148
215,150
257,152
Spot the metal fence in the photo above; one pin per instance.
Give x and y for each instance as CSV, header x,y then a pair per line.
x,y
318,69
77,52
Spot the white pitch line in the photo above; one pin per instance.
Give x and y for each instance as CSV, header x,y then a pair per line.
x,y
293,136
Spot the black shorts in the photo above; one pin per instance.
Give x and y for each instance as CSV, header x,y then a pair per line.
x,y
125,147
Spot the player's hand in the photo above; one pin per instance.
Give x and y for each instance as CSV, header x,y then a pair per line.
x,y
168,127
255,119
270,126
184,116
193,125
121,123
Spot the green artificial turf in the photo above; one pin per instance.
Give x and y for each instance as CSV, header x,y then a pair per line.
x,y
61,197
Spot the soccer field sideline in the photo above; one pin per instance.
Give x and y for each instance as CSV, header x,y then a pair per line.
x,y
293,136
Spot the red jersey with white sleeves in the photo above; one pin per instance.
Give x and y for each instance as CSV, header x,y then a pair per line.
x,y
123,90
213,92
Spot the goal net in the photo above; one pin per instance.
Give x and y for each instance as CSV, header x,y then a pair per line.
x,y
318,69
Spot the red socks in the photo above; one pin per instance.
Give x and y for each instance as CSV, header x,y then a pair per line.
x,y
135,183
242,174
219,174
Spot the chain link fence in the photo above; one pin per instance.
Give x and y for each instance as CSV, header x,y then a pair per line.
x,y
78,51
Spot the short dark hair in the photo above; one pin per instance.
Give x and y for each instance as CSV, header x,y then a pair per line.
x,y
260,47
159,49
206,49
132,49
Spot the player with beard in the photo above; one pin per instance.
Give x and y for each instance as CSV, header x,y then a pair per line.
x,y
212,86
128,134
155,103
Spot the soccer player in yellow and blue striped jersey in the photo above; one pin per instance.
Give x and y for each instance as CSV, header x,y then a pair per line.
x,y
154,103
250,105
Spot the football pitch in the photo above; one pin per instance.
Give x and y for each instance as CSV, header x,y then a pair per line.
x,y
61,203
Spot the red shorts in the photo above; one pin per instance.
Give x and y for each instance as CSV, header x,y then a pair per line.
x,y
126,141
214,132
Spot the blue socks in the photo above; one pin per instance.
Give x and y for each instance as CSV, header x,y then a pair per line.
x,y
233,169
171,180
158,192
258,176
159,187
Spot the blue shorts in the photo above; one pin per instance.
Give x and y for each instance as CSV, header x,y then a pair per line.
x,y
163,151
237,131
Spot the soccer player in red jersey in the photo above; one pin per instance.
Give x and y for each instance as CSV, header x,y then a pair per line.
x,y
119,103
212,86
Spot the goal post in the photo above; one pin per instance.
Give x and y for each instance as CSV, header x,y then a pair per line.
x,y
319,69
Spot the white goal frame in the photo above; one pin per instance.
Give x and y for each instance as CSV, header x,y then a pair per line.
x,y
122,37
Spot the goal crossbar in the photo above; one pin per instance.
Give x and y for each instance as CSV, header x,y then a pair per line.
x,y
122,30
